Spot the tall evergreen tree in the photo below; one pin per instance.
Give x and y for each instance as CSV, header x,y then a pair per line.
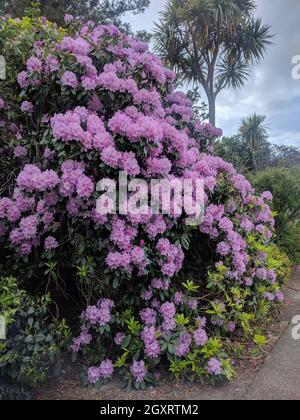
x,y
255,135
211,43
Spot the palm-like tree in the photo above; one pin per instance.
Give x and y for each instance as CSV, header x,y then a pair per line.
x,y
255,134
211,43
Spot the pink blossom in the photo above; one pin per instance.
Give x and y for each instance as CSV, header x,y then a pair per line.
x,y
50,243
27,107
34,65
69,79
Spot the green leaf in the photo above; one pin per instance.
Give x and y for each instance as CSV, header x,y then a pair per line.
x,y
260,340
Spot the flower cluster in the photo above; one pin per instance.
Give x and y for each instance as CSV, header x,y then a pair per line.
x,y
173,257
32,179
168,312
151,343
100,314
94,317
214,367
139,371
104,371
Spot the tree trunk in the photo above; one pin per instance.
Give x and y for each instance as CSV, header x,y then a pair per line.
x,y
212,108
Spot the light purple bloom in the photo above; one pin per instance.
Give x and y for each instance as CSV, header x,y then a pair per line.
x,y
178,298
192,304
50,243
168,310
68,18
106,369
84,339
138,371
231,327
28,226
27,107
34,65
119,338
200,337
93,375
183,346
214,367
69,79
269,296
148,316
20,151
279,296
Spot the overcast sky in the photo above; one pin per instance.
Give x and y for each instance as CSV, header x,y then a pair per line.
x,y
271,90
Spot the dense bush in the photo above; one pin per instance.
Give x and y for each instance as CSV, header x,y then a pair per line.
x,y
158,291
240,153
285,186
33,343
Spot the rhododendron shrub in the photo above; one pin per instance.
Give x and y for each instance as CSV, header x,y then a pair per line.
x,y
158,291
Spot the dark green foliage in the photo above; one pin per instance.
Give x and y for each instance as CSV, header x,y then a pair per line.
x,y
237,151
255,136
290,242
284,184
285,156
200,108
33,341
234,150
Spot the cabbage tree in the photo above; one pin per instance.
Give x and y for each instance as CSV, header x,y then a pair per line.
x,y
211,43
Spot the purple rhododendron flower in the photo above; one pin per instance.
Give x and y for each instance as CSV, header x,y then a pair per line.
x,y
106,369
34,65
20,151
279,296
50,243
93,375
84,339
183,346
168,310
119,338
27,107
214,367
69,79
231,327
138,371
200,337
148,316
68,18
